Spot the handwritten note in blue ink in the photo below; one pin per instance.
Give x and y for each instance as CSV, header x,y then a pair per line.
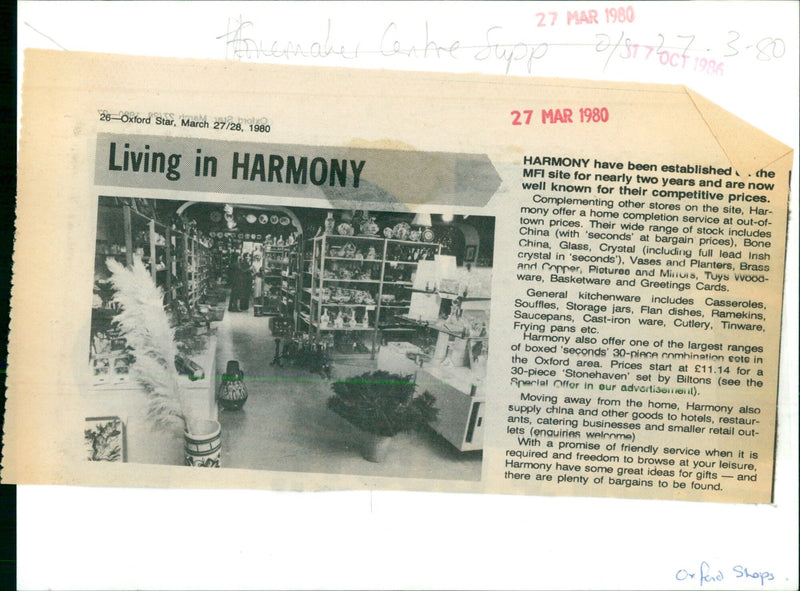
x,y
708,575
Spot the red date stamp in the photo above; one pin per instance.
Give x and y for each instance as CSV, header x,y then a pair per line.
x,y
613,15
560,115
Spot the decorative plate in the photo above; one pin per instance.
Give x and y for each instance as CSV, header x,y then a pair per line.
x,y
427,235
401,230
250,218
285,221
345,229
273,219
263,218
215,216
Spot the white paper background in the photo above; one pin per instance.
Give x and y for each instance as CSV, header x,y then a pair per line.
x,y
263,539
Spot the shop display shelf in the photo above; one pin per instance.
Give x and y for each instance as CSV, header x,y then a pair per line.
x,y
343,328
329,279
412,242
347,305
338,237
352,259
387,254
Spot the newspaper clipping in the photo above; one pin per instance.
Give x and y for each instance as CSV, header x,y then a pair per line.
x,y
235,275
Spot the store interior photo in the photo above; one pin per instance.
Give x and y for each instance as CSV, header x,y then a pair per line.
x,y
289,339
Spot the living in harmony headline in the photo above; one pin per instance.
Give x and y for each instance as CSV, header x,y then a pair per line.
x,y
294,170
246,166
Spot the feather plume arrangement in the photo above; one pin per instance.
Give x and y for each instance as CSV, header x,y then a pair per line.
x,y
146,327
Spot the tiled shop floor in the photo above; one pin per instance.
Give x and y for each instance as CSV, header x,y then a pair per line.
x,y
286,426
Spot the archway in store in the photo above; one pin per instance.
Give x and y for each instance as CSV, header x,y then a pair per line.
x,y
259,221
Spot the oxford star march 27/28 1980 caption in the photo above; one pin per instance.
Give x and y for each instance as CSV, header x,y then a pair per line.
x,y
259,124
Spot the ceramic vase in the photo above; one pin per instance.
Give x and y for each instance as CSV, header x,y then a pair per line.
x,y
330,223
375,448
232,392
202,443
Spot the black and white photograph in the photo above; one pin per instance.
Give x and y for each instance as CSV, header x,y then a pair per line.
x,y
292,339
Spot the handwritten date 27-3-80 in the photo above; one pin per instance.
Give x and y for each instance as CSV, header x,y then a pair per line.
x,y
562,115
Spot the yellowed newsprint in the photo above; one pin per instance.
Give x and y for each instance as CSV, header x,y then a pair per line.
x,y
233,275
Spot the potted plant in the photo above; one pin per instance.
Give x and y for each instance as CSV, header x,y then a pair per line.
x,y
150,337
381,404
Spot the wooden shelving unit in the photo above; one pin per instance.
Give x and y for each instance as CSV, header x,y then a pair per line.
x,y
290,283
196,265
178,263
274,262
